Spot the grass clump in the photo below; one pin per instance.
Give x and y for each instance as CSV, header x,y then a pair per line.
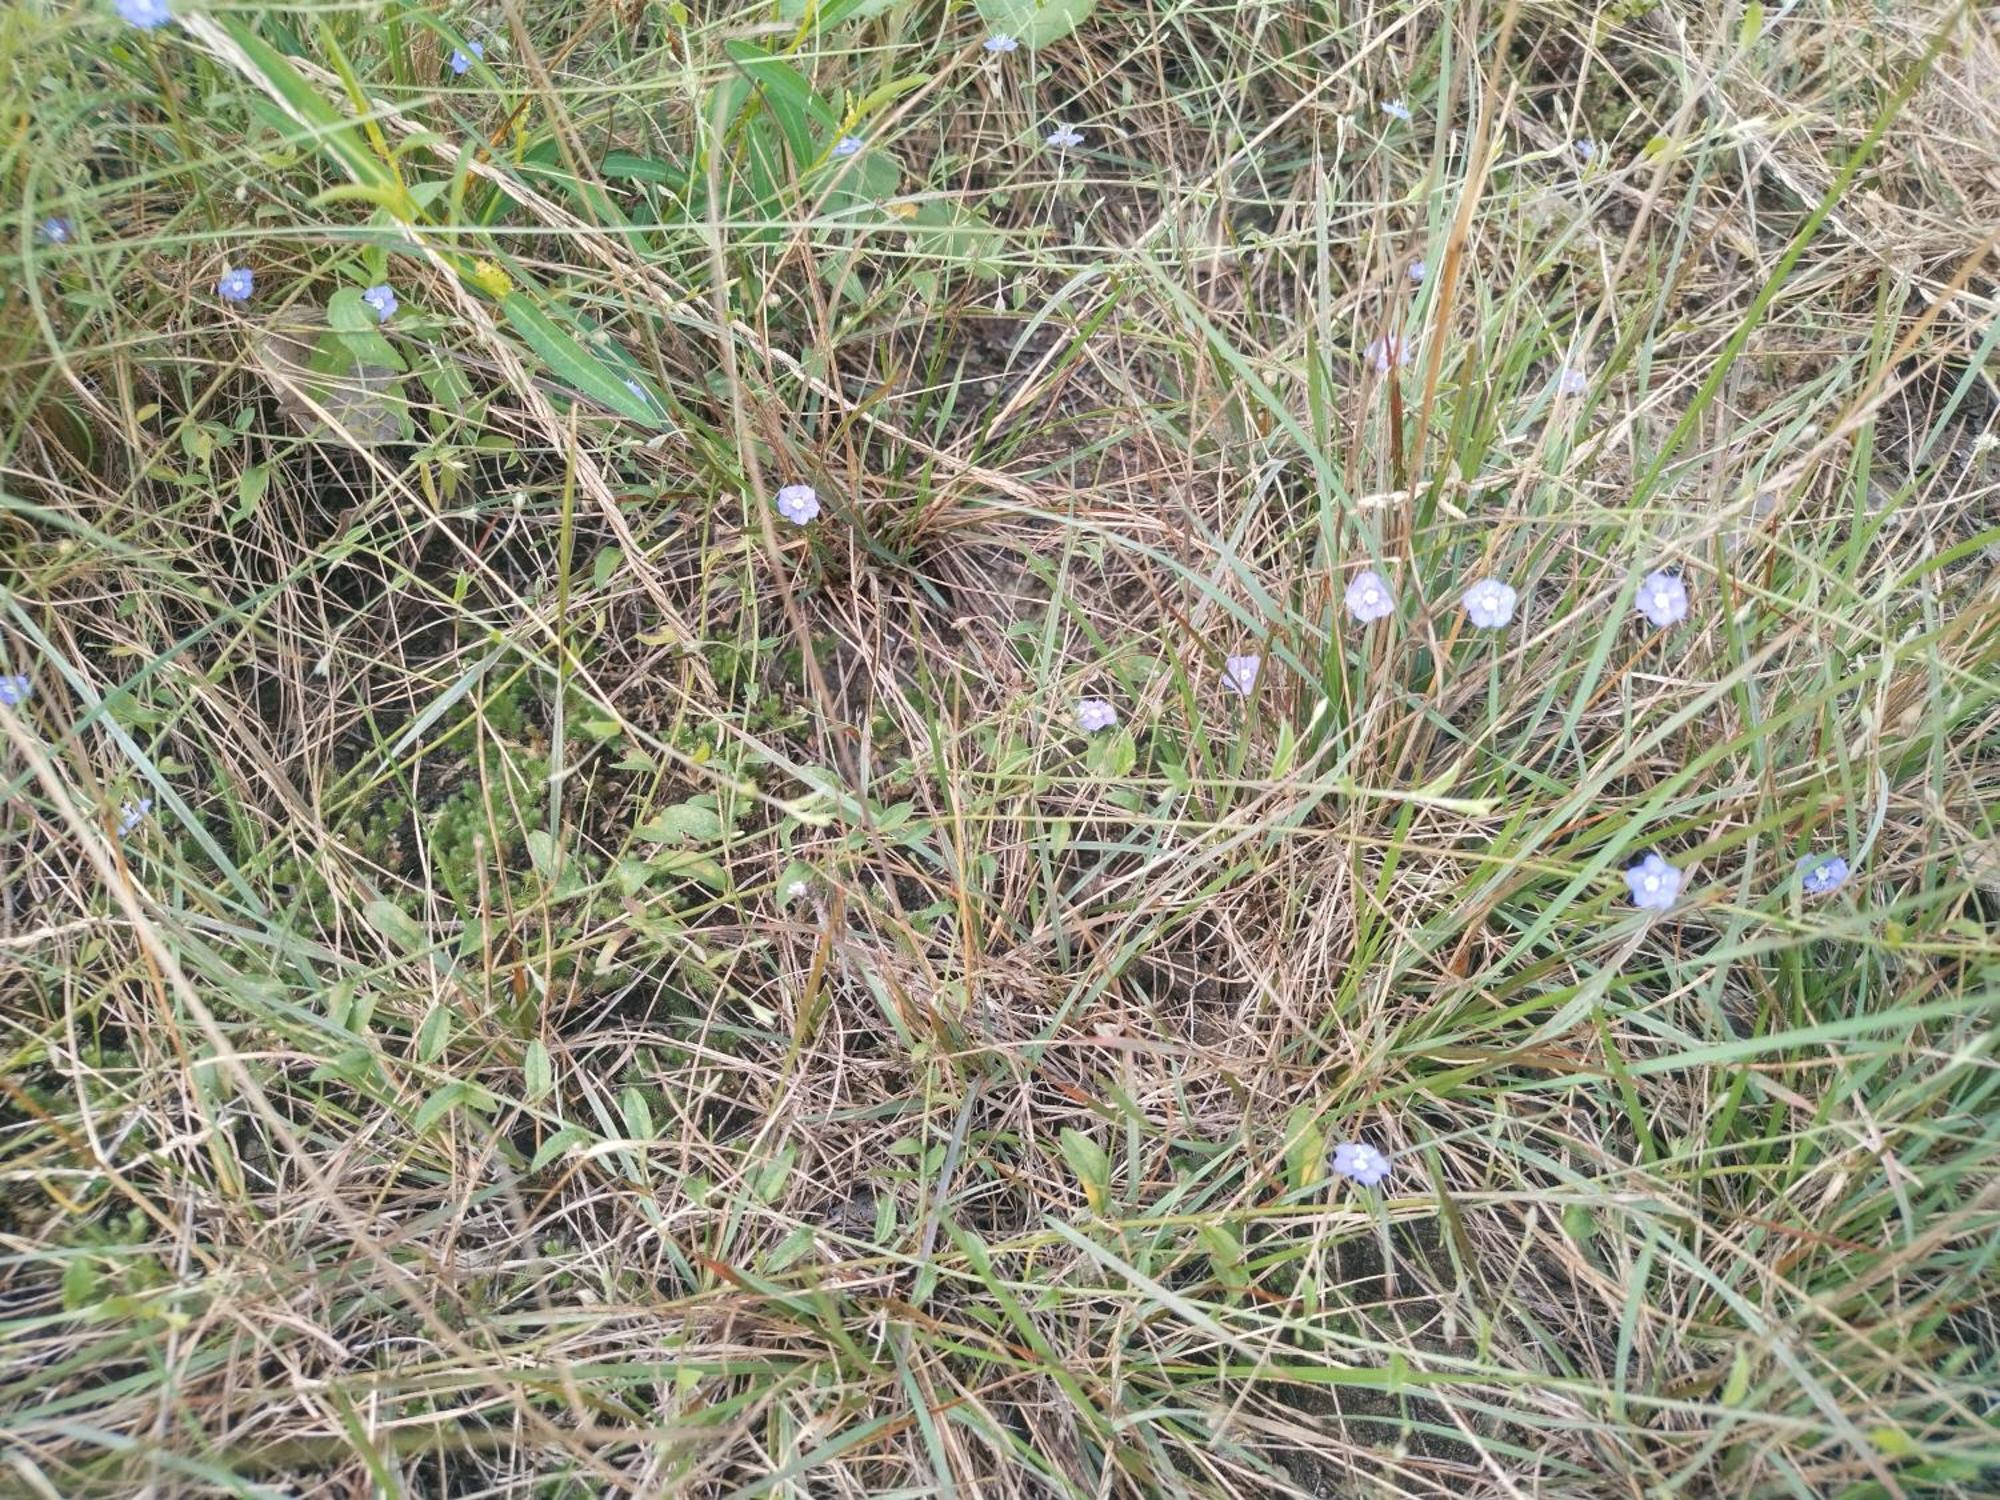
x,y
711,903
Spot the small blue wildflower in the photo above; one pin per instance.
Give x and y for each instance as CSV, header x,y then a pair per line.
x,y
1653,883
1360,1163
1063,137
1093,714
798,503
57,231
1368,597
1418,271
16,690
383,300
132,814
1490,603
147,15
1239,674
1000,42
848,145
1663,599
1396,109
461,57
1586,150
1571,381
1822,874
236,285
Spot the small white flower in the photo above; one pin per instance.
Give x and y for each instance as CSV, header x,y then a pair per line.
x,y
1239,674
1000,42
1663,599
848,145
1653,883
1386,350
1571,381
798,503
132,814
1063,137
1360,1163
1490,603
1093,714
798,890
1368,597
1418,271
1396,109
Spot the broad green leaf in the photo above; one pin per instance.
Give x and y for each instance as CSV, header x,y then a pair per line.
x,y
347,313
1035,24
395,924
571,362
1092,1167
537,1072
555,1145
544,854
434,1034
438,1106
638,1115
690,822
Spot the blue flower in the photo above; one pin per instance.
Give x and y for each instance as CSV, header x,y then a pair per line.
x,y
1663,599
15,690
56,231
1001,42
1239,674
848,145
1418,271
1490,603
461,57
1586,150
236,285
1654,883
1571,381
147,15
132,814
798,503
1390,349
1396,109
1360,1163
1822,874
1093,714
1064,136
383,300
1368,597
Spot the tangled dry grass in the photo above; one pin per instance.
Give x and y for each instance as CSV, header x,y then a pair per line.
x,y
614,993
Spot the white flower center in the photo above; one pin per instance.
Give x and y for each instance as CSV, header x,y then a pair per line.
x,y
1652,882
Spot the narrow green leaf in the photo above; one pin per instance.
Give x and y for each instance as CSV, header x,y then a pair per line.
x,y
571,362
